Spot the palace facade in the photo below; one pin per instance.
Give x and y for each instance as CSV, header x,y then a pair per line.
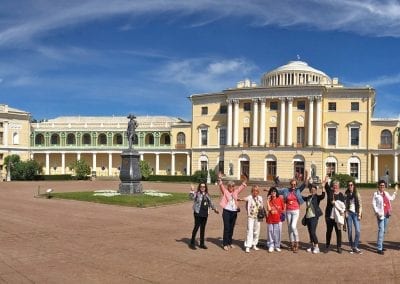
x,y
297,119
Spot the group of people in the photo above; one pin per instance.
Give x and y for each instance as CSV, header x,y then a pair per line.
x,y
343,212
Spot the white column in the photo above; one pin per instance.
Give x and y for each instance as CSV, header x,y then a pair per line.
x,y
310,121
236,123
110,162
47,163
255,122
282,123
94,162
290,122
157,163
262,123
78,156
396,169
376,174
318,122
141,157
229,127
173,164
188,168
63,163
5,138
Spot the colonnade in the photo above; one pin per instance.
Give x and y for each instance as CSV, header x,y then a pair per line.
x,y
395,167
259,124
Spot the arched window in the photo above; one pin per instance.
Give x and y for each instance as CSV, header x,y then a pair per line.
x,y
117,139
149,139
71,139
86,139
55,139
180,138
165,139
386,139
102,139
39,139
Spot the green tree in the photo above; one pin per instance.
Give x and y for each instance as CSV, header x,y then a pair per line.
x,y
31,169
22,170
82,170
145,169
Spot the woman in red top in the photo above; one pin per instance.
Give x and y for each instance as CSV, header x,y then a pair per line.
x,y
275,206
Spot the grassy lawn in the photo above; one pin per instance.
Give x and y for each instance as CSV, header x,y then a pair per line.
x,y
139,200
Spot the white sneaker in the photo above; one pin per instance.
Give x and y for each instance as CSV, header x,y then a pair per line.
x,y
278,249
271,249
255,248
310,249
247,250
316,250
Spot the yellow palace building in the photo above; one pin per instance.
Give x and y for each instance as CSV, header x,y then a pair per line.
x,y
296,119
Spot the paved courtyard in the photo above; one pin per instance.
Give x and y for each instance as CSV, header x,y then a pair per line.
x,y
63,241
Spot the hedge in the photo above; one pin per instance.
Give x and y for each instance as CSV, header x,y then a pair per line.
x,y
53,177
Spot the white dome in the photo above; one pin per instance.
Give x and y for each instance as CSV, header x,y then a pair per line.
x,y
294,73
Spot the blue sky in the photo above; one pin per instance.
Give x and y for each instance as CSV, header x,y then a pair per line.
x,y
103,57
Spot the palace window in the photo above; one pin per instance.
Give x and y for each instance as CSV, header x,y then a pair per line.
x,y
39,139
273,135
149,140
247,106
331,136
55,139
221,166
180,138
386,139
204,110
117,139
273,105
204,137
102,139
300,136
86,139
223,109
222,136
354,136
330,168
71,139
1,138
301,105
332,106
355,106
354,170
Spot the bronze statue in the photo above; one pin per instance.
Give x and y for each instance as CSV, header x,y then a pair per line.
x,y
132,125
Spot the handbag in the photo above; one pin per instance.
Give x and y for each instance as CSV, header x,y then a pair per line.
x,y
303,221
261,213
283,217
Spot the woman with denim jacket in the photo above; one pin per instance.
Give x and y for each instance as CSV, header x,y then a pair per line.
x,y
201,204
353,215
229,203
293,199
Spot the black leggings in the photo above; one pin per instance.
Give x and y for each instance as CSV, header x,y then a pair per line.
x,y
199,222
229,218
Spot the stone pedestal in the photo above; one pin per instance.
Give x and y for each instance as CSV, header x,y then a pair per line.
x,y
130,175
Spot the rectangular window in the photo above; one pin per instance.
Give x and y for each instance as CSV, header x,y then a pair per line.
x,y
222,136
1,138
204,138
247,106
301,105
354,170
355,106
223,109
204,166
331,136
246,136
273,136
300,136
204,110
355,139
273,105
331,106
1,156
1,124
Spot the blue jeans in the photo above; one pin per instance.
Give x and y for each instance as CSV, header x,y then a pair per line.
x,y
382,226
352,218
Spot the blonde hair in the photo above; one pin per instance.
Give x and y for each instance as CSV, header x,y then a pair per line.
x,y
231,184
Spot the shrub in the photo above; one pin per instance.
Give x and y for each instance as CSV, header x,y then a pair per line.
x,y
82,170
343,179
145,169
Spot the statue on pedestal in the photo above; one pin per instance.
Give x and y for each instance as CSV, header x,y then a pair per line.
x,y
132,125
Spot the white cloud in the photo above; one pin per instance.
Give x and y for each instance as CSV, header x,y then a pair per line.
x,y
382,81
205,74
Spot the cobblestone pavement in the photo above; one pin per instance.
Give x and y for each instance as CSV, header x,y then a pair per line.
x,y
62,241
